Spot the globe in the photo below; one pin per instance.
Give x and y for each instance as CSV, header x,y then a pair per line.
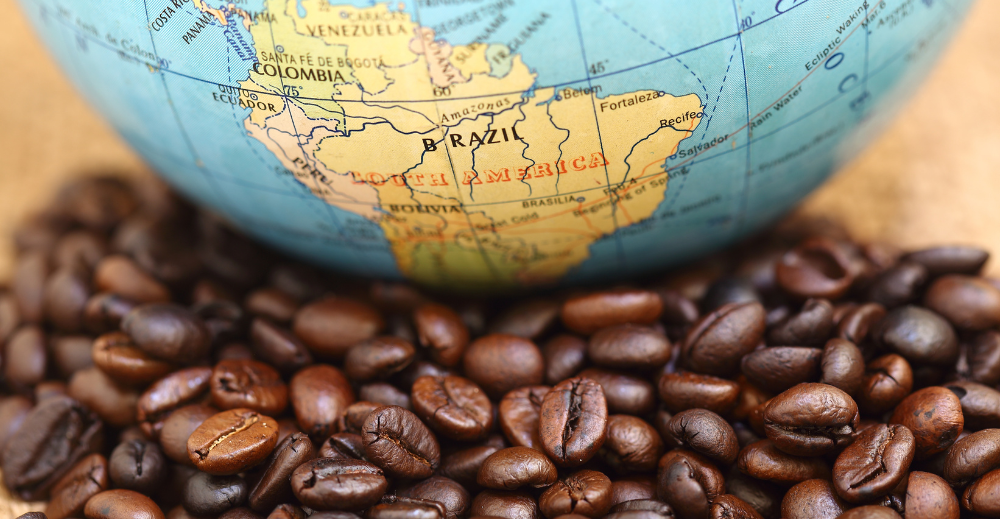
x,y
497,144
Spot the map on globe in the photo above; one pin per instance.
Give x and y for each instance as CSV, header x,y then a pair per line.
x,y
482,143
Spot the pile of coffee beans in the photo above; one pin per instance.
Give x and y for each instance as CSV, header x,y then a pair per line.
x,y
156,363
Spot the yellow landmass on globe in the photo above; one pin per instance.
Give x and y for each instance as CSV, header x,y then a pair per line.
x,y
470,59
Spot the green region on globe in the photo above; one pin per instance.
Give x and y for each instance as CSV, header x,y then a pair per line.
x,y
479,144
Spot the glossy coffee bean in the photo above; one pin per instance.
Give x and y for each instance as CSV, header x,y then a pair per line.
x,y
453,406
504,504
967,302
729,290
208,495
66,293
273,487
632,445
449,493
114,403
781,367
338,484
858,322
116,355
284,511
955,259
104,312
178,426
572,421
249,384
980,404
842,366
715,344
625,392
118,274
398,442
585,492
898,285
330,326
982,359
278,347
528,319
378,358
319,395
919,335
25,359
685,390
812,499
86,479
232,441
171,392
874,464
386,394
706,433
121,504
271,303
463,465
590,312
887,381
763,460
396,507
870,512
929,497
689,483
168,332
240,512
934,415
629,346
818,267
353,419
565,355
811,419
442,331
810,327
487,363
516,467
137,465
641,509
729,506
980,497
631,488
972,456
763,497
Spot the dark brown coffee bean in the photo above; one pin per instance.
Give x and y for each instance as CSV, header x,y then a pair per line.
x,y
278,346
715,344
729,290
887,381
343,445
442,330
121,504
934,415
178,426
954,259
528,319
874,464
353,419
386,394
396,507
625,393
455,499
684,390
137,465
919,335
13,411
812,499
689,483
980,497
811,419
870,512
781,367
273,487
288,511
565,355
240,512
631,488
330,326
980,404
810,327
641,509
83,247
858,322
763,460
66,293
463,466
487,363
628,346
271,303
319,394
120,275
86,479
378,358
972,456
208,495
398,442
232,441
678,310
515,467
504,504
104,312
967,302
763,497
706,433
980,359
173,391
25,359
168,332
116,355
842,366
898,285
729,506
929,497
70,353
632,445
422,368
453,406
49,389
585,492
818,267
248,384
338,484
588,313
28,285
572,421
114,403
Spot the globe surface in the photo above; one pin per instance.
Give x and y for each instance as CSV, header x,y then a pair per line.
x,y
497,143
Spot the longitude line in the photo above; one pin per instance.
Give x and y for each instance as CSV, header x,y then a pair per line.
x,y
744,199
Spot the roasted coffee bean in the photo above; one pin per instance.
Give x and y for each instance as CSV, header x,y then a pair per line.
x,y
677,309
86,479
70,353
353,419
685,390
898,285
120,275
116,355
208,495
504,504
114,403
980,404
319,395
888,380
632,445
273,487
625,393
763,460
980,359
386,394
463,466
811,419
810,327
729,506
528,319
934,415
13,411
137,465
338,484
285,511
572,421
874,464
590,312
395,507
629,346
706,433
178,426
954,259
919,335
641,509
249,384
858,322
171,392
715,344
330,326
515,467
278,346
631,488
967,302
565,355
398,442
343,445
168,332
83,247
442,331
240,512
763,497
66,293
812,499
377,358
453,406
689,483
929,497
121,504
104,312
28,284
781,367
49,389
455,499
980,497
24,357
842,366
585,492
818,267
729,290
232,441
972,456
487,362
271,303
870,512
